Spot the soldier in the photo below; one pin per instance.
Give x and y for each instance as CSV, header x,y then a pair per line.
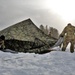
x,y
2,39
68,34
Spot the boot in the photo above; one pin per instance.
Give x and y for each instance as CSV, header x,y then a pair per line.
x,y
63,49
72,48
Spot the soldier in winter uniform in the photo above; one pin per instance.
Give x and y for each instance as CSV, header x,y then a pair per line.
x,y
2,39
69,36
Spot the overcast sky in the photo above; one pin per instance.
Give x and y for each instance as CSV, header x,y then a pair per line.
x,y
14,11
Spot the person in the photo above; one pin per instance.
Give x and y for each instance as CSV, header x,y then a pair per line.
x,y
2,39
69,37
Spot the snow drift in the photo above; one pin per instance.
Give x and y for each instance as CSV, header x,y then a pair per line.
x,y
53,63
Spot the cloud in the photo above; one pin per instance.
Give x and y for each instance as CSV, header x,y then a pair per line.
x,y
13,11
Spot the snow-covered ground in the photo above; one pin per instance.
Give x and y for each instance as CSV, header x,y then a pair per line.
x,y
53,63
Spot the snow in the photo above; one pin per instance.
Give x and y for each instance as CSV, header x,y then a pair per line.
x,y
53,63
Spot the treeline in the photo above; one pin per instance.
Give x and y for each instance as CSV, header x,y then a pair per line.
x,y
50,31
